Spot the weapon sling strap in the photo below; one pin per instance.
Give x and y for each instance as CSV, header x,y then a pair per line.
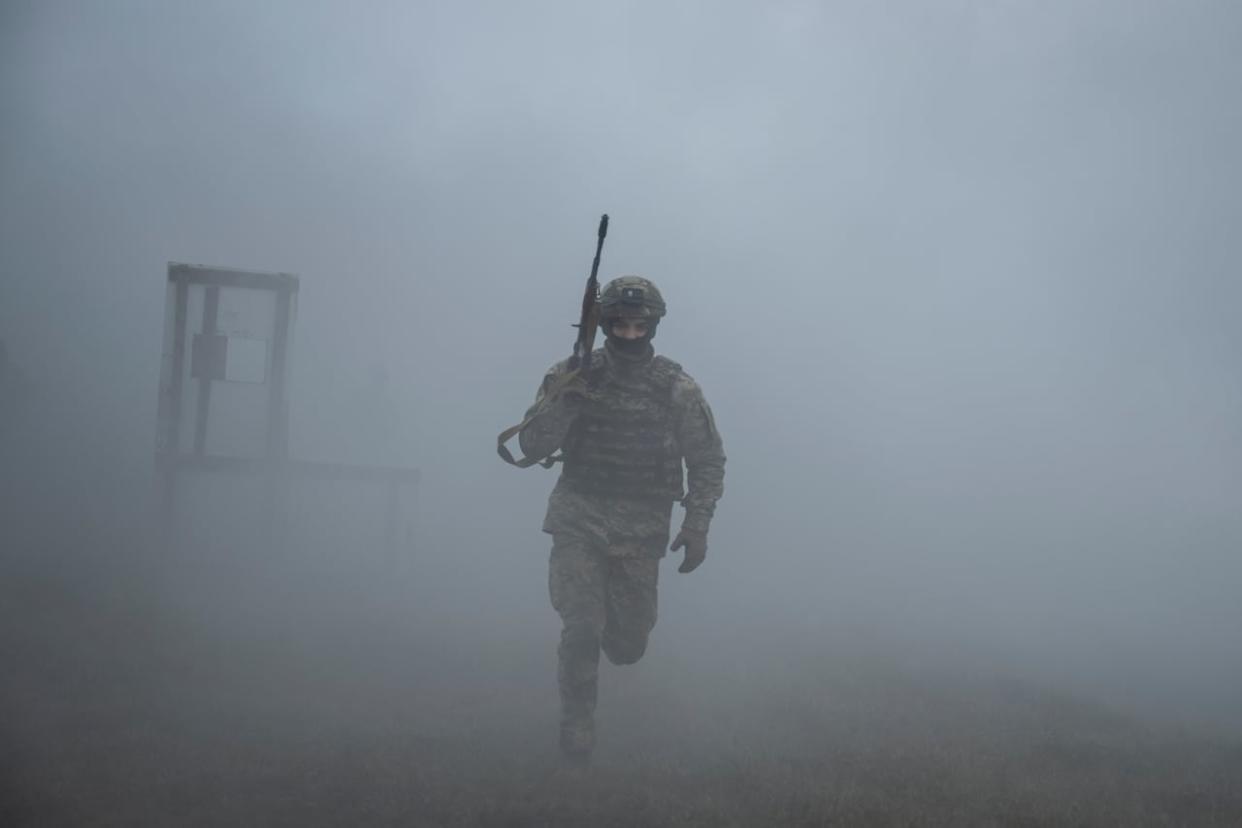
x,y
505,436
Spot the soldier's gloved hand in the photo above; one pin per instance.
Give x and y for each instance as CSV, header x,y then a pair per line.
x,y
695,543
577,389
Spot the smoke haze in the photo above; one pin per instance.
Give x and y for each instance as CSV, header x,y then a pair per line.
x,y
958,279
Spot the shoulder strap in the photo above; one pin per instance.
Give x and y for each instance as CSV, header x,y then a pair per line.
x,y
554,390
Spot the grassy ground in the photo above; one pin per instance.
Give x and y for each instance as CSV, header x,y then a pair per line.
x,y
253,702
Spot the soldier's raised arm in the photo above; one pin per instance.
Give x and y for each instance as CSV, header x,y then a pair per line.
x,y
704,454
546,433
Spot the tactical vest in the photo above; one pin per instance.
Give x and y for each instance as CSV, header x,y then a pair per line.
x,y
623,443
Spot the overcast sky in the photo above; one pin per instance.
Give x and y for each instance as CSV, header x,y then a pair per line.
x,y
958,278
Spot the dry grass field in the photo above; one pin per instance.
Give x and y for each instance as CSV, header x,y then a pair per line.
x,y
257,702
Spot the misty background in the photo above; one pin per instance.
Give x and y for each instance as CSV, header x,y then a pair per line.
x,y
959,280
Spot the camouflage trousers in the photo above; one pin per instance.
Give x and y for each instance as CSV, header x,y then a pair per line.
x,y
606,603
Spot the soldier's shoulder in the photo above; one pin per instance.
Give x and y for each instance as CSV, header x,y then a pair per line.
x,y
665,372
558,368
671,366
564,365
684,386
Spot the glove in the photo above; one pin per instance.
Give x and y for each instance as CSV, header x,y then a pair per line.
x,y
577,389
695,543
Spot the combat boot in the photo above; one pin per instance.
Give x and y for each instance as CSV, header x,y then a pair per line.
x,y
577,741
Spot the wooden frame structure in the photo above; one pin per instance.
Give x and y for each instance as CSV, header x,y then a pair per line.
x,y
196,359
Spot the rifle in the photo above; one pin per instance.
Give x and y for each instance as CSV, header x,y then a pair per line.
x,y
579,359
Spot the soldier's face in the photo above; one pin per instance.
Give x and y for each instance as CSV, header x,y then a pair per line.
x,y
629,328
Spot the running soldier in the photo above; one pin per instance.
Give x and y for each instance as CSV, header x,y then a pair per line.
x,y
624,426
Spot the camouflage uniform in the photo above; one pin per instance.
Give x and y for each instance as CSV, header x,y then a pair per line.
x,y
623,442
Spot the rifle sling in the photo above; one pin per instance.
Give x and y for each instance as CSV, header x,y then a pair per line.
x,y
554,391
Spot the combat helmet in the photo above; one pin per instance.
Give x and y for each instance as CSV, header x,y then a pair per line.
x,y
631,296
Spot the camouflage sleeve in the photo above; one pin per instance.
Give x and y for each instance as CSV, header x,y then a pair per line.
x,y
704,453
545,434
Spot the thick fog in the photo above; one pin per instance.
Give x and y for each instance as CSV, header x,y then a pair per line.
x,y
959,280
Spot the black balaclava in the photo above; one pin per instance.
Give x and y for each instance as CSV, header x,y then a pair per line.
x,y
633,348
